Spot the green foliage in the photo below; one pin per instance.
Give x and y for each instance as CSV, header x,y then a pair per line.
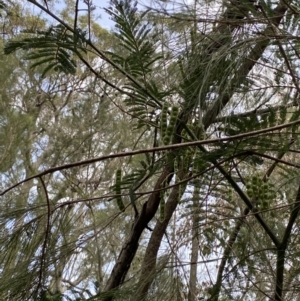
x,y
142,106
260,191
135,37
134,178
137,56
55,47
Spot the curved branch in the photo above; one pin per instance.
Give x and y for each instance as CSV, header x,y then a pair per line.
x,y
151,150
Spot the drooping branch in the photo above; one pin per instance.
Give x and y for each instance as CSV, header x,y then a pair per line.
x,y
244,198
192,294
239,191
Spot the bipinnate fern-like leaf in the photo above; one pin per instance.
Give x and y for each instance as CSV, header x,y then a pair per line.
x,y
143,107
135,36
54,48
137,56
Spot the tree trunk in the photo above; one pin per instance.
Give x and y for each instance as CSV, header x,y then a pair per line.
x,y
130,247
149,263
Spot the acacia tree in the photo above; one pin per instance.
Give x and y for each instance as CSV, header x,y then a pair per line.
x,y
214,104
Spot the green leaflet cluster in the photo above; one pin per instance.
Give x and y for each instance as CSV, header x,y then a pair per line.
x,y
260,191
167,130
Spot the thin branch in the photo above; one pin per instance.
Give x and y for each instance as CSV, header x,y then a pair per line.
x,y
226,255
151,150
256,112
234,234
276,161
239,191
97,74
76,15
